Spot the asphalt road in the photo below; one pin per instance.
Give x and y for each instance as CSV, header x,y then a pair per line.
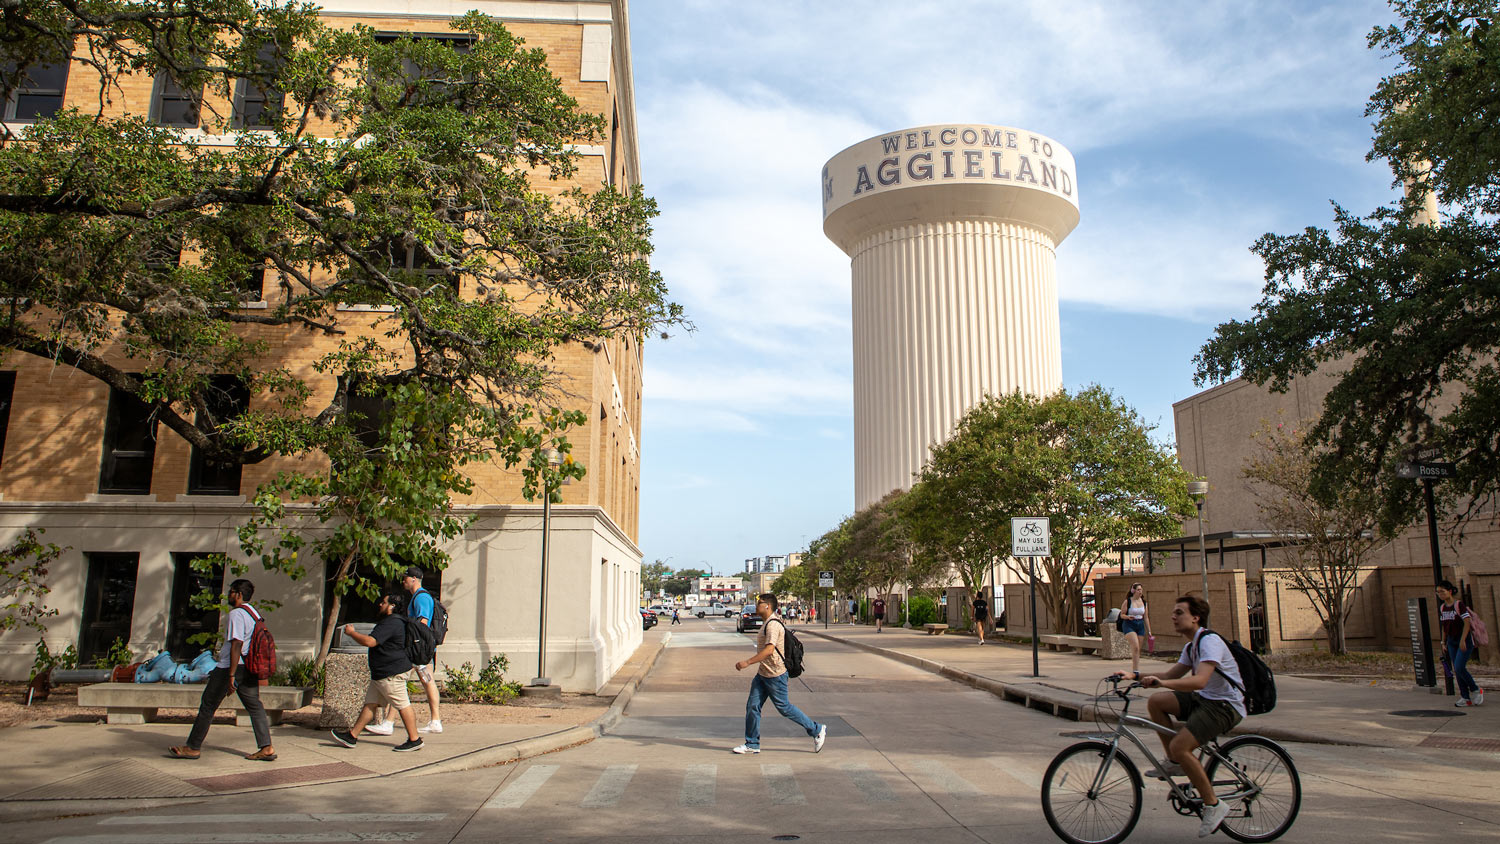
x,y
910,758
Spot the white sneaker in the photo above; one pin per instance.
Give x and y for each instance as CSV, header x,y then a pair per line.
x,y
745,748
1478,696
1212,817
432,727
821,737
381,728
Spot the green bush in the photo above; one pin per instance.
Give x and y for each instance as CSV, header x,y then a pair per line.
x,y
461,686
923,610
300,673
46,660
119,653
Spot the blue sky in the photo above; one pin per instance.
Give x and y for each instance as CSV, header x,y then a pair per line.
x,y
1197,127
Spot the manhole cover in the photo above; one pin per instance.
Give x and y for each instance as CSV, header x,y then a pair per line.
x,y
785,837
1428,713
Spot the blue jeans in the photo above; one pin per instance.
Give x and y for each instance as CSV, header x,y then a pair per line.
x,y
1459,658
775,689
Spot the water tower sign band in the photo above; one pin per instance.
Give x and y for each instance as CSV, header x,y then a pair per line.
x,y
951,232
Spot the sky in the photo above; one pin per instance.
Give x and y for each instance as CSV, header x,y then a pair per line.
x,y
1196,126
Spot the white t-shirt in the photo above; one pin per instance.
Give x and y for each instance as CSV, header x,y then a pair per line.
x,y
1213,649
241,625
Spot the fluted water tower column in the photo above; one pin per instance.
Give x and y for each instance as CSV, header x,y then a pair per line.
x,y
952,232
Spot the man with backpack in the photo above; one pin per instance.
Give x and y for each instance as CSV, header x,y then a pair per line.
x,y
389,662
771,679
1205,693
425,609
231,675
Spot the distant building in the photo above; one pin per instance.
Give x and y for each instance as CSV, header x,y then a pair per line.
x,y
727,589
773,563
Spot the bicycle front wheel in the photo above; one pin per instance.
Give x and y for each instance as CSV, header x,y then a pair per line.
x,y
1268,813
1091,797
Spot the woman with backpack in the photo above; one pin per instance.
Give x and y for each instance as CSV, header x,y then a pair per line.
x,y
1457,623
1134,623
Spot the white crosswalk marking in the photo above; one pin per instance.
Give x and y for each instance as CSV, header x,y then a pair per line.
x,y
1018,772
946,779
782,784
699,785
870,784
311,817
610,787
520,790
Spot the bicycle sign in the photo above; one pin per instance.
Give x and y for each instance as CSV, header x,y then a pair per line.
x,y
1030,536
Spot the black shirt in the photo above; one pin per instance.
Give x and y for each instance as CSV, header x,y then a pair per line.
x,y
981,609
388,655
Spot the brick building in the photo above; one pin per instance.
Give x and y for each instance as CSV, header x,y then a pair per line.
x,y
133,506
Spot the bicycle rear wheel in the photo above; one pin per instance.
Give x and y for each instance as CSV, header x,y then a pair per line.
x,y
1268,814
1079,812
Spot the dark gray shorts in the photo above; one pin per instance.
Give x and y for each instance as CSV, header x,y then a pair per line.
x,y
1206,719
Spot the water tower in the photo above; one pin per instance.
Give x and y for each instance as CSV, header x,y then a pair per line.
x,y
952,232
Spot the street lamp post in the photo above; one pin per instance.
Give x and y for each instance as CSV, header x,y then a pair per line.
x,y
1199,491
554,459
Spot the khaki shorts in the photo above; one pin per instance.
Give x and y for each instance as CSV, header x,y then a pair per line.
x,y
1206,719
388,690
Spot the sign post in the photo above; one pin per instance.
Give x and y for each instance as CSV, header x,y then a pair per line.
x,y
1421,642
1425,464
1031,537
825,581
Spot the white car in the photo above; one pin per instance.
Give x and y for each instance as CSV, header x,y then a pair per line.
x,y
714,609
662,609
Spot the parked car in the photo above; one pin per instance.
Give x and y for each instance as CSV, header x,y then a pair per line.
x,y
661,609
748,621
648,619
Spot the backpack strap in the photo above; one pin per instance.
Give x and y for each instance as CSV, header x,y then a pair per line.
x,y
783,630
1198,650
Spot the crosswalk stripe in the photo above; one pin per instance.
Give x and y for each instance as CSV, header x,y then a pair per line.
x,y
946,779
610,787
1018,772
782,784
870,784
518,792
236,838
309,817
699,785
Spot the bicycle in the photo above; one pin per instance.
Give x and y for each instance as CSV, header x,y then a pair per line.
x,y
1092,791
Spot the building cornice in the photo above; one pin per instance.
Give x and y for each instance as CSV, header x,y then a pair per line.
x,y
537,11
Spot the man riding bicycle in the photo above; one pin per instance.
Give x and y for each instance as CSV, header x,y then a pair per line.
x,y
1204,693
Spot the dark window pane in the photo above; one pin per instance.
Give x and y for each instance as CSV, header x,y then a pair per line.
x,y
108,603
7,394
227,399
185,620
40,93
174,106
253,287
255,106
129,446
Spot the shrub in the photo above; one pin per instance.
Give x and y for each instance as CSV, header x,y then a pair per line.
x,y
461,686
119,653
923,610
300,673
46,660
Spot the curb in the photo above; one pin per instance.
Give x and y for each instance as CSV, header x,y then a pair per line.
x,y
1065,703
501,754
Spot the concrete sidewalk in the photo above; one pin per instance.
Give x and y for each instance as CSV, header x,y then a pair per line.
x,y
59,760
1322,711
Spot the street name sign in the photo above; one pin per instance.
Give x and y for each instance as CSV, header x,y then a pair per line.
x,y
1426,471
825,580
1030,536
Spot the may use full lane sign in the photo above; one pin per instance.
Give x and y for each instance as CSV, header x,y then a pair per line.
x,y
1030,536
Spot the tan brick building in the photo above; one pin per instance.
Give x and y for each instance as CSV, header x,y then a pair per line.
x,y
132,508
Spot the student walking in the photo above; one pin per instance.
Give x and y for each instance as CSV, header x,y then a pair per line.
x,y
422,607
230,676
771,680
877,611
1134,622
981,615
1457,623
388,667
853,610
676,617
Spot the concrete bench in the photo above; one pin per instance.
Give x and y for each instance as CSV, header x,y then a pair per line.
x,y
1055,642
136,703
1085,644
935,629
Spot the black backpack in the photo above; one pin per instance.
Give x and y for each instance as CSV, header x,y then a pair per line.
x,y
793,655
1260,682
421,643
439,620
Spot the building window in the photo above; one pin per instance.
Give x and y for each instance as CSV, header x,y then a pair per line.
x,y
354,608
227,398
256,107
164,255
129,445
108,603
414,74
253,286
186,620
172,106
7,394
39,93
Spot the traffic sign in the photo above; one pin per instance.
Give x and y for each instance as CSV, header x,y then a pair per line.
x,y
1425,453
1426,471
825,580
1030,536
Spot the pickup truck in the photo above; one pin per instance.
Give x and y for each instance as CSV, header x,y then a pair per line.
x,y
714,608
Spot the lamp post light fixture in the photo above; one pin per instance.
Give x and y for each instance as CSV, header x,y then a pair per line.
x,y
554,460
1199,491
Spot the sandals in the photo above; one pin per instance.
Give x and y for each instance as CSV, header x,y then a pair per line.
x,y
265,754
183,752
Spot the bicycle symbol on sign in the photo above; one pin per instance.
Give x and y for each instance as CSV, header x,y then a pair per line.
x,y
1031,529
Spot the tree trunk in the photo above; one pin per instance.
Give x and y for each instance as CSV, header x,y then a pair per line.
x,y
333,611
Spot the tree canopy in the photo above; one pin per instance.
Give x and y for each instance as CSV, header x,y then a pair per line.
x,y
405,203
1410,310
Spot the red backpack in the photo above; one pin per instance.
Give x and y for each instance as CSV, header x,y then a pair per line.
x,y
260,659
